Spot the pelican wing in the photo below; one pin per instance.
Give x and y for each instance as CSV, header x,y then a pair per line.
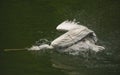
x,y
71,37
69,25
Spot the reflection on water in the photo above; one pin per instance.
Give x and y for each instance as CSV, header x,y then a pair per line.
x,y
88,64
23,22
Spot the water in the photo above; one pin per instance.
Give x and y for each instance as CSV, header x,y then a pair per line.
x,y
24,22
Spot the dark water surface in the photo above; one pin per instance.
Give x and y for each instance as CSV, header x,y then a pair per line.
x,y
22,22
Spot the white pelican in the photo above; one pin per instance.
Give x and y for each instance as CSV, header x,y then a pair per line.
x,y
76,38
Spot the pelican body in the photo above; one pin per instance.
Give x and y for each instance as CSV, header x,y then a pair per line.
x,y
76,37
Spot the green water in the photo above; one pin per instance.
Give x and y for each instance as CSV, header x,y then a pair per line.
x,y
22,22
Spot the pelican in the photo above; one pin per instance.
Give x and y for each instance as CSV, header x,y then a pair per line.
x,y
76,38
